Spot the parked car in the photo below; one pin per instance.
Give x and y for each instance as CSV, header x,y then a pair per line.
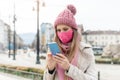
x,y
97,50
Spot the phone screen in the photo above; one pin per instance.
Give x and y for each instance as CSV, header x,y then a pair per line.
x,y
53,46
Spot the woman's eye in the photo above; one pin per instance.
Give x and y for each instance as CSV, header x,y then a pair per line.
x,y
65,29
58,30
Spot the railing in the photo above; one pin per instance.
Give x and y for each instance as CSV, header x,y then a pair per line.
x,y
29,75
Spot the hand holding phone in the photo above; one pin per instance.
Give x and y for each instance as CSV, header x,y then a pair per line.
x,y
54,48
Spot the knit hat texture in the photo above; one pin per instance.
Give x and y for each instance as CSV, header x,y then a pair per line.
x,y
66,17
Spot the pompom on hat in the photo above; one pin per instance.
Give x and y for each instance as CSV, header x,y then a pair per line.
x,y
66,17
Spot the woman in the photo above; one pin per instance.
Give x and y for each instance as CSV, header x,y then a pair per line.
x,y
76,60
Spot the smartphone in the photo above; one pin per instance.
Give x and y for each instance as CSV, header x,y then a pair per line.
x,y
54,48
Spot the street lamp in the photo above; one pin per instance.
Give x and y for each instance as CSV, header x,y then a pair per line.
x,y
14,35
37,42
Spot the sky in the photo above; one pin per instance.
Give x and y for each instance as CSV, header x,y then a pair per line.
x,y
93,14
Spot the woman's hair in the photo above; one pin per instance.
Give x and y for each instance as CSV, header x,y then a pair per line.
x,y
74,44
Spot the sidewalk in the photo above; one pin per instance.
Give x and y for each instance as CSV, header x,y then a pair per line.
x,y
109,71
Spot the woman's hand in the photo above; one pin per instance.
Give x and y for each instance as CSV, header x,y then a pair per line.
x,y
51,64
62,61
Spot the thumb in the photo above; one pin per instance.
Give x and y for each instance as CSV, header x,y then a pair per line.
x,y
49,55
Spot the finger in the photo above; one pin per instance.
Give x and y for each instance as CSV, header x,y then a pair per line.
x,y
61,55
58,59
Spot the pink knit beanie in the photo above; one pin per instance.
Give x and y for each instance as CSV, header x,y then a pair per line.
x,y
67,17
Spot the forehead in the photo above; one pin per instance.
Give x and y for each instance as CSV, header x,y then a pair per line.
x,y
62,26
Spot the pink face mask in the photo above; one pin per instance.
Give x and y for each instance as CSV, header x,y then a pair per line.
x,y
66,36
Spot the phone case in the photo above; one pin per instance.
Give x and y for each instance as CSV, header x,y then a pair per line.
x,y
53,46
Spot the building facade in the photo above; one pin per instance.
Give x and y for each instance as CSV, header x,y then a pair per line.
x,y
46,35
101,38
6,37
3,35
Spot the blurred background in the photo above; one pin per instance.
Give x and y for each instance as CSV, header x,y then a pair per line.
x,y
26,26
